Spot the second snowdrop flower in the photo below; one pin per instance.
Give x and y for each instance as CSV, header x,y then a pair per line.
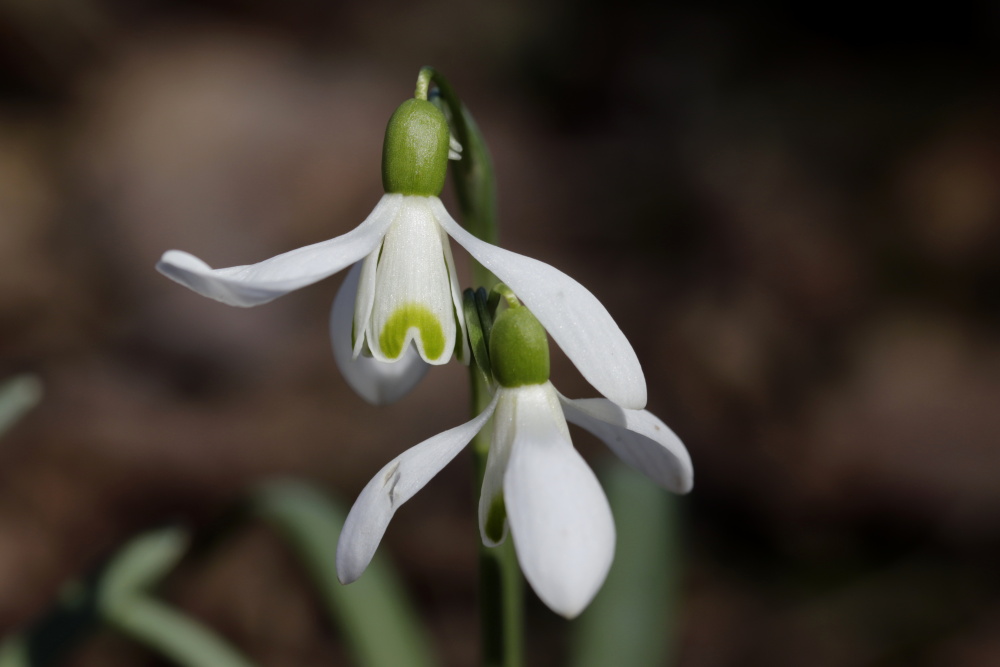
x,y
536,485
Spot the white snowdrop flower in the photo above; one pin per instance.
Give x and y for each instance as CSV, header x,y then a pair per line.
x,y
404,305
536,485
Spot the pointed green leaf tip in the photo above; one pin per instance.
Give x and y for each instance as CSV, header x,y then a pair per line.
x,y
519,349
415,152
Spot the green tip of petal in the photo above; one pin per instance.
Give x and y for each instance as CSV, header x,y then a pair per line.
x,y
519,349
415,152
495,519
412,316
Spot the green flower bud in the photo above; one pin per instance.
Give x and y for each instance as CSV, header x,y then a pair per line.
x,y
519,349
415,152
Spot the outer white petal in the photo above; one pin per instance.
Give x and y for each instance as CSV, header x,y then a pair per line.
x,y
365,299
573,316
391,487
413,291
563,531
254,284
496,463
378,382
463,353
638,437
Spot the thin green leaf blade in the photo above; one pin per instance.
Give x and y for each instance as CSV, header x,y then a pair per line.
x,y
18,395
373,613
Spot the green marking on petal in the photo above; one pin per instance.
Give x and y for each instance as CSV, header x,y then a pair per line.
x,y
410,316
495,518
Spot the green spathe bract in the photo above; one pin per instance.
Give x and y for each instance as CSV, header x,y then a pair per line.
x,y
412,315
415,152
519,349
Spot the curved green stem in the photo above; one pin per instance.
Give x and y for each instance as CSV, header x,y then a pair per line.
x,y
475,185
501,589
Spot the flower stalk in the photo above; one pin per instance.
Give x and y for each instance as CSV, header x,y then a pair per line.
x,y
501,586
475,185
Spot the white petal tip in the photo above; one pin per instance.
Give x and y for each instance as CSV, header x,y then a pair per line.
x,y
638,437
570,611
351,564
345,578
685,480
569,598
628,388
635,400
173,261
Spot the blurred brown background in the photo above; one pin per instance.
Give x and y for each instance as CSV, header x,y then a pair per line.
x,y
792,215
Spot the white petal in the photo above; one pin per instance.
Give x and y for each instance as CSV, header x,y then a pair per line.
x,y
254,284
364,300
391,487
413,291
378,382
573,316
638,437
462,351
496,463
563,531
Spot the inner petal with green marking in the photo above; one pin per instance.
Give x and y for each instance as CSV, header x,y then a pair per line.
x,y
416,319
415,290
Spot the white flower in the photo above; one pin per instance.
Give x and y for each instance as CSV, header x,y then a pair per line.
x,y
557,513
407,291
406,295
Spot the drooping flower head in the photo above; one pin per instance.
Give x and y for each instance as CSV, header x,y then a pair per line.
x,y
402,303
400,310
408,291
536,485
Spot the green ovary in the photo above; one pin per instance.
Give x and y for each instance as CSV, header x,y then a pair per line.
x,y
404,318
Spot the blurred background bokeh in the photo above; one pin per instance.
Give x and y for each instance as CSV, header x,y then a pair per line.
x,y
793,215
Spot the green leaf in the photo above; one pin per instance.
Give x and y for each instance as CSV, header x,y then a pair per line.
x,y
176,636
124,602
142,564
380,625
18,395
13,652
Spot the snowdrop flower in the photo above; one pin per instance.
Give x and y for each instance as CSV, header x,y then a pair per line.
x,y
536,485
403,305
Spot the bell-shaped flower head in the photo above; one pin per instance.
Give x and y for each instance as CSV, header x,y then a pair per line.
x,y
536,485
406,294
